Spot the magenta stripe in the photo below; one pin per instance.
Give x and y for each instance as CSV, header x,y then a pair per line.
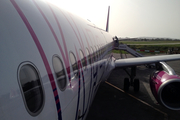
x,y
86,59
57,101
80,42
53,32
61,32
65,58
75,32
59,110
55,93
64,43
31,31
87,30
41,51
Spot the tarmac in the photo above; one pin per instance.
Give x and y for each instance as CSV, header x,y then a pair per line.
x,y
112,103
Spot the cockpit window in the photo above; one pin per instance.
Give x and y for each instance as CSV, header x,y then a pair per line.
x,y
59,72
31,88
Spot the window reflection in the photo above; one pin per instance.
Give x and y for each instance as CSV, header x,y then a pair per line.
x,y
93,55
32,89
60,73
74,64
88,56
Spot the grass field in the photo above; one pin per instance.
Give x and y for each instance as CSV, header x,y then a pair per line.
x,y
156,45
148,42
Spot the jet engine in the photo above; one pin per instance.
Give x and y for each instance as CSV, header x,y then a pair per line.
x,y
165,86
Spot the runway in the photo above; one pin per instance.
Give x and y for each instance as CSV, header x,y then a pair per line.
x,y
112,103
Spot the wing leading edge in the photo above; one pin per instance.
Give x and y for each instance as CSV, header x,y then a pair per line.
x,y
145,60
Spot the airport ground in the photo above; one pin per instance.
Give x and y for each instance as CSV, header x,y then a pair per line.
x,y
112,103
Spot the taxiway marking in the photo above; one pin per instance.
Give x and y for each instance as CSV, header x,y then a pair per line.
x,y
165,115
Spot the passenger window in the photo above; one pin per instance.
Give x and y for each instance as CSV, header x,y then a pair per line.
x,y
96,53
88,56
92,55
74,64
100,51
59,72
82,58
31,89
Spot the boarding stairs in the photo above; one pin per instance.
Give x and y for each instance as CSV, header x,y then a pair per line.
x,y
124,47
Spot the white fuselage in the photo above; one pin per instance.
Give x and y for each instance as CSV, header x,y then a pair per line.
x,y
33,32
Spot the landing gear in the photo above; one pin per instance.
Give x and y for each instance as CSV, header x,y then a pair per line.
x,y
133,82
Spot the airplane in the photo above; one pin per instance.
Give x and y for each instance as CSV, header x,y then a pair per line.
x,y
52,63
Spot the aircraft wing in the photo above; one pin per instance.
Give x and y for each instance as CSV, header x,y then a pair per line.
x,y
145,60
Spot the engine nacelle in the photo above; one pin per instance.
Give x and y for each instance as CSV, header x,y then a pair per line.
x,y
165,86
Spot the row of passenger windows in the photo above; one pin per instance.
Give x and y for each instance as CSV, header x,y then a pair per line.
x,y
30,80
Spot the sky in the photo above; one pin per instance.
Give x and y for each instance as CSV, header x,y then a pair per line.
x,y
129,18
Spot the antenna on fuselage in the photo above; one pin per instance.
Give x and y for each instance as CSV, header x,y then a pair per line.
x,y
107,24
